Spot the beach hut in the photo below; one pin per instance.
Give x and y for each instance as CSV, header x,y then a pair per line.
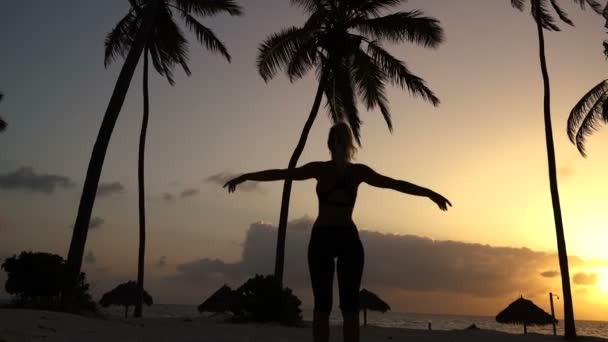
x,y
523,311
371,301
219,301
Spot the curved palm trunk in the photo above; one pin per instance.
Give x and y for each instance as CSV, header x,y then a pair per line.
x,y
280,257
89,191
570,330
142,202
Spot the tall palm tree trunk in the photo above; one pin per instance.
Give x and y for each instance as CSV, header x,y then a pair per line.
x,y
570,330
280,257
89,191
142,201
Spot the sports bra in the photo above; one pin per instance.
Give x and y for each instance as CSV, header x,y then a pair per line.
x,y
340,184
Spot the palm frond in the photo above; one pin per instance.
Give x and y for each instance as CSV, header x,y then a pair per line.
x,y
541,14
305,58
519,4
118,41
341,99
595,6
374,7
605,48
205,8
399,75
309,6
206,36
370,82
590,123
561,13
404,26
348,101
582,109
160,64
168,46
278,50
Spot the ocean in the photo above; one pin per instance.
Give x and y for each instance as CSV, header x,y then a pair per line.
x,y
397,320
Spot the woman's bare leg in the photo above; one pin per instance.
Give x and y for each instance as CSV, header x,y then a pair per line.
x,y
350,328
320,327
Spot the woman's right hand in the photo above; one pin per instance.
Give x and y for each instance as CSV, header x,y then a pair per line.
x,y
441,201
231,184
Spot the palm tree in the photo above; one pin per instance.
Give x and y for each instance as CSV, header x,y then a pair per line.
x,y
589,112
545,21
342,40
149,26
2,122
168,47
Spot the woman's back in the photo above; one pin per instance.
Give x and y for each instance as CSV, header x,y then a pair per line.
x,y
337,187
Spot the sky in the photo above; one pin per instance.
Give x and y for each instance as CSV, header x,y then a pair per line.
x,y
483,148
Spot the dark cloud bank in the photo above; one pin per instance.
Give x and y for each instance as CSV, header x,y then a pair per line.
x,y
393,263
26,179
108,189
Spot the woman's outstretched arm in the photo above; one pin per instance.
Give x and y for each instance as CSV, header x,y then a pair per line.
x,y
373,178
307,171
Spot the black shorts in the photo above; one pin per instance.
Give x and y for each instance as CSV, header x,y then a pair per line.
x,y
326,244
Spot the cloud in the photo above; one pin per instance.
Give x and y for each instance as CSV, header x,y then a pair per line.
x,y
189,193
550,274
582,278
223,177
392,262
90,258
162,262
108,189
26,179
96,222
167,197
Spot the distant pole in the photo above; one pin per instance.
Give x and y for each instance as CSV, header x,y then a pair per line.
x,y
553,312
430,326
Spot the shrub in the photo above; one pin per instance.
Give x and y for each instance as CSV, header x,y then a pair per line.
x,y
262,299
35,280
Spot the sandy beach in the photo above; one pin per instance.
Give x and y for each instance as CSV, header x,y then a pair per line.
x,y
29,325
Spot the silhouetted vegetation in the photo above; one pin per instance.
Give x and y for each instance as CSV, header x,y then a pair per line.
x,y
220,301
343,40
541,12
150,26
35,281
124,295
263,299
168,47
590,111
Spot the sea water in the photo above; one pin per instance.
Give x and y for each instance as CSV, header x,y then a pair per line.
x,y
396,320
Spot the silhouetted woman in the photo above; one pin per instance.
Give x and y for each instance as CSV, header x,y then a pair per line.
x,y
334,235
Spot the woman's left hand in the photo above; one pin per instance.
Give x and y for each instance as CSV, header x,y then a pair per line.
x,y
441,201
231,184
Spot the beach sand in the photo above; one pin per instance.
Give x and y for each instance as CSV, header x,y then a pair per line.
x,y
29,325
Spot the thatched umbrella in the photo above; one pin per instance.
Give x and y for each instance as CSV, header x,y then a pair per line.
x,y
523,311
371,301
124,295
219,301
